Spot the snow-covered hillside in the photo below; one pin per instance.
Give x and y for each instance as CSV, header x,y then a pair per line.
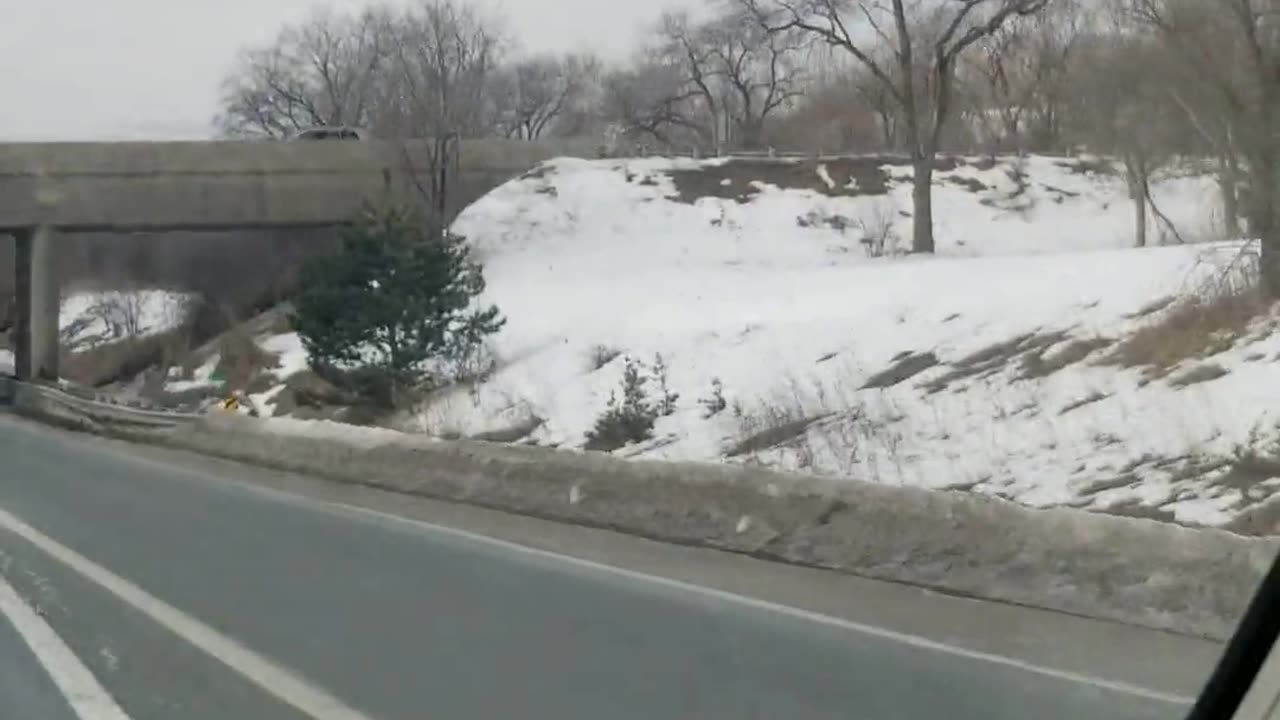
x,y
988,367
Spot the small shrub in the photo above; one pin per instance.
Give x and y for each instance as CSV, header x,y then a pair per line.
x,y
666,396
241,359
473,367
1199,326
815,219
602,355
713,404
627,421
878,236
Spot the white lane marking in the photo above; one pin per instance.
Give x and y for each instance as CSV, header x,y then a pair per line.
x,y
276,680
86,696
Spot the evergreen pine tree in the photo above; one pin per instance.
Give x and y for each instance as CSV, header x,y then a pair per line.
x,y
398,298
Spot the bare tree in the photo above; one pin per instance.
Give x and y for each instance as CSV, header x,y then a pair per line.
x,y
926,41
1212,123
1232,49
649,101
1121,108
712,85
688,49
1207,87
830,117
880,98
445,54
322,72
761,72
536,94
1016,79
585,117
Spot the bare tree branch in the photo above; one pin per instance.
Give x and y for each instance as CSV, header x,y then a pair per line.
x,y
534,93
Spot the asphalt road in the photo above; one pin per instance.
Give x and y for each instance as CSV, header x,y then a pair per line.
x,y
194,589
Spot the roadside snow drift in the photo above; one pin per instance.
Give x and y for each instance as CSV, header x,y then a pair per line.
x,y
795,334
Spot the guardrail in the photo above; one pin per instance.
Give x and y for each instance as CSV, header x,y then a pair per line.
x,y
87,407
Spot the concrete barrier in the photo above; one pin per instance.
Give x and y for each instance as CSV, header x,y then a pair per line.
x,y
1193,581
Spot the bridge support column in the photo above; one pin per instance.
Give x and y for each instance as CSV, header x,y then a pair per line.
x,y
38,300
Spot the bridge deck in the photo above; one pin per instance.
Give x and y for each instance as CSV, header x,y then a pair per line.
x,y
235,184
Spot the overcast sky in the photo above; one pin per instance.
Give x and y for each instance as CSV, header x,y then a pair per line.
x,y
150,69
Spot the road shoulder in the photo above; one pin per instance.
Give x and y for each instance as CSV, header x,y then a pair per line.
x,y
1145,658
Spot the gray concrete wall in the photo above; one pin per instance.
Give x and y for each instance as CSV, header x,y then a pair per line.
x,y
36,329
213,185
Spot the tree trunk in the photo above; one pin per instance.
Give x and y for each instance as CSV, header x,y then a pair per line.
x,y
1262,221
1140,220
1228,181
750,135
1136,179
922,206
887,131
1164,220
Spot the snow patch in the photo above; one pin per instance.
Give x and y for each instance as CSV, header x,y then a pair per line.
x,y
793,319
825,176
87,319
357,435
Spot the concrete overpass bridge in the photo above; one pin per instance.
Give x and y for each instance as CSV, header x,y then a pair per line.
x,y
47,188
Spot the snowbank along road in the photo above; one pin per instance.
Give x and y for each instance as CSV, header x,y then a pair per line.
x,y
145,583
